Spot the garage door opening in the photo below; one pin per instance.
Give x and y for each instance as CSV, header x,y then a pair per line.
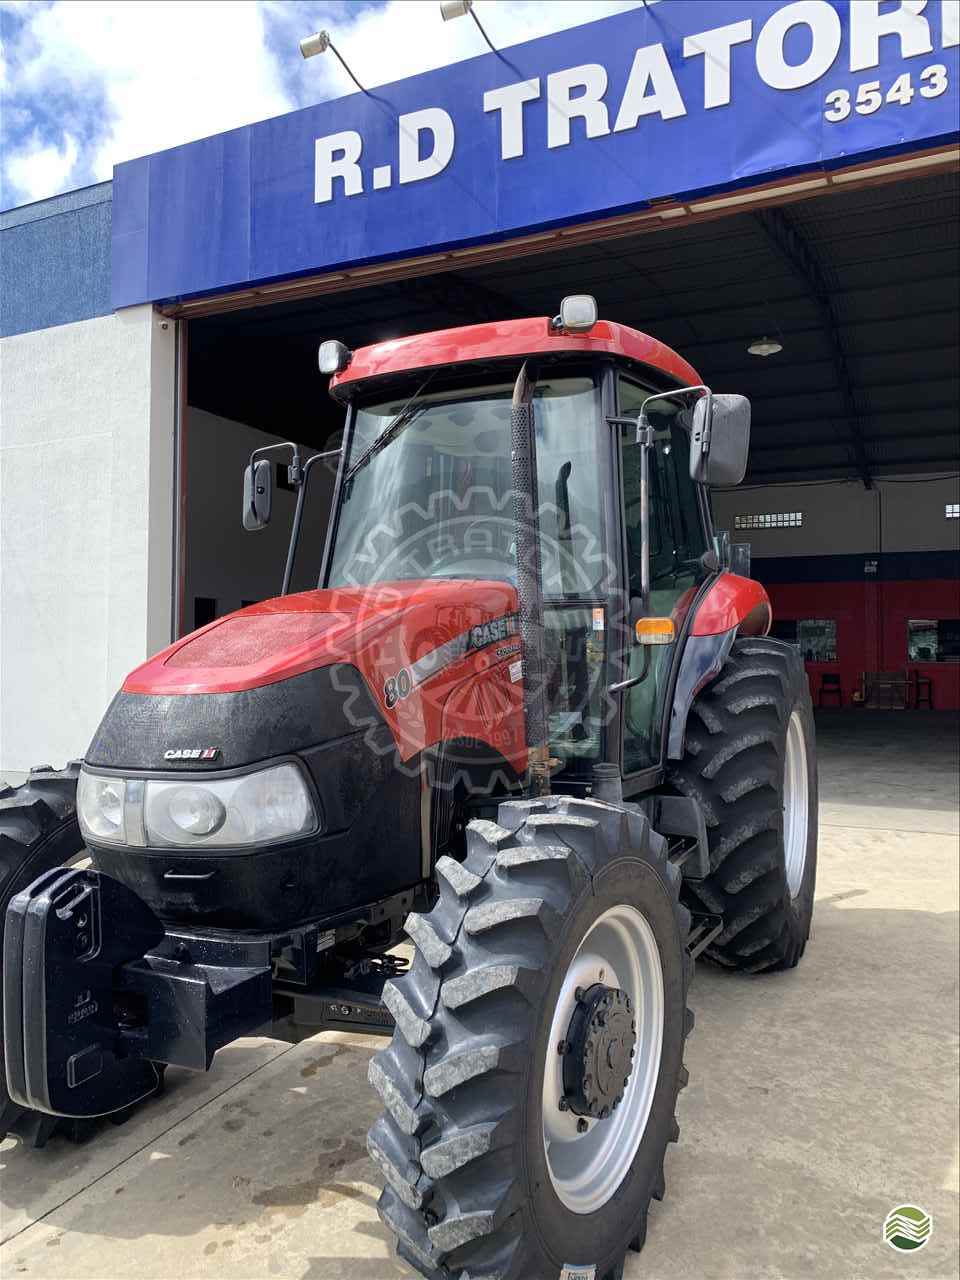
x,y
852,476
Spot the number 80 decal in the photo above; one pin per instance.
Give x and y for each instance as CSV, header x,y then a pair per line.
x,y
397,687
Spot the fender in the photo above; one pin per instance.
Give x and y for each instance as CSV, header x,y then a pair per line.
x,y
731,606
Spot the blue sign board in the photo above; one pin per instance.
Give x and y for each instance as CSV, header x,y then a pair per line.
x,y
679,98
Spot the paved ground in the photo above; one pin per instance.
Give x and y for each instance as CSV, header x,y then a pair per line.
x,y
818,1099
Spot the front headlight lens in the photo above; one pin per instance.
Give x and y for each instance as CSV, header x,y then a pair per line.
x,y
255,808
196,810
100,807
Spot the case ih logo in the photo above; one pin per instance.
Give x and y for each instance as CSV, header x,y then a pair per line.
x,y
488,632
192,753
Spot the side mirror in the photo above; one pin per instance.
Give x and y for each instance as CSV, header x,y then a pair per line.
x,y
720,439
257,495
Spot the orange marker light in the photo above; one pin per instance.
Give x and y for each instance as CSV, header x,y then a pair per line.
x,y
655,631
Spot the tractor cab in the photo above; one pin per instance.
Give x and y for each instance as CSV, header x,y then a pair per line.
x,y
427,491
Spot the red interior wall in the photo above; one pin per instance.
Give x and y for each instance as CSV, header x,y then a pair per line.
x,y
871,618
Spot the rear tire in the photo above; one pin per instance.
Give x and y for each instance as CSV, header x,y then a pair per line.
x,y
38,831
471,1143
750,763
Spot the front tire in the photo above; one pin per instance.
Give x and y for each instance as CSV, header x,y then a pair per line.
x,y
750,763
486,1175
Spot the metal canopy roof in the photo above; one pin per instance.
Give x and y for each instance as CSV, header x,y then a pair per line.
x,y
861,288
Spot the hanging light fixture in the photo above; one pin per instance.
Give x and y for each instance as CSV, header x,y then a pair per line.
x,y
765,346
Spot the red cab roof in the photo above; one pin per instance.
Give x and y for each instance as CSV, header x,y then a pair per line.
x,y
506,338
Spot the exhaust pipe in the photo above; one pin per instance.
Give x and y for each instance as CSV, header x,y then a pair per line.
x,y
523,459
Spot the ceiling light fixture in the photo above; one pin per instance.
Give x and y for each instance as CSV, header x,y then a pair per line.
x,y
765,346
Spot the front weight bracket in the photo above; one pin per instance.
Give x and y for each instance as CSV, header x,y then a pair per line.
x,y
97,997
65,937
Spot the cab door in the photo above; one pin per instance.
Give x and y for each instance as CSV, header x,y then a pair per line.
x,y
678,540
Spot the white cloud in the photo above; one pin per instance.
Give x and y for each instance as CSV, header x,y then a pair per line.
x,y
149,75
38,170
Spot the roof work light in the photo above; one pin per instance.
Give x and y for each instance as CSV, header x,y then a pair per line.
x,y
333,356
578,313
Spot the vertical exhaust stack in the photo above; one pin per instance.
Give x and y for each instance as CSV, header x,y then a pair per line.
x,y
523,457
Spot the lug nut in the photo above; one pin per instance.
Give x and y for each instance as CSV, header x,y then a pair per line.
x,y
578,994
582,1126
564,1105
603,974
562,1047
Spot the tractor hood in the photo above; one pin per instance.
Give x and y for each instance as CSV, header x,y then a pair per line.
x,y
289,673
379,629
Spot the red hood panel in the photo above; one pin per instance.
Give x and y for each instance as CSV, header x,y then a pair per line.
x,y
379,629
250,640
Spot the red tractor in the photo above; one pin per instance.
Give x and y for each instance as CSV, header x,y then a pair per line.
x,y
530,721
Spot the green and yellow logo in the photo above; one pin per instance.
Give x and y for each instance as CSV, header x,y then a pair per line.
x,y
907,1227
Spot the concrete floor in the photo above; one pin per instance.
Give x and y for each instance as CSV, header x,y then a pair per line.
x,y
818,1101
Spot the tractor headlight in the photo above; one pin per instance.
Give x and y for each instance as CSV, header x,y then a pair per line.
x,y
100,807
251,809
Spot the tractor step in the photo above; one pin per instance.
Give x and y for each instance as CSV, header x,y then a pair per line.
x,y
681,820
703,929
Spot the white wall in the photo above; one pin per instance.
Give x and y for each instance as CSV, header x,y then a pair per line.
x,y
843,518
86,524
223,561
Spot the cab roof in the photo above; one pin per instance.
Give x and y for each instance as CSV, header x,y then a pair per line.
x,y
504,339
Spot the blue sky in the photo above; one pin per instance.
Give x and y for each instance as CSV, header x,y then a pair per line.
x,y
86,84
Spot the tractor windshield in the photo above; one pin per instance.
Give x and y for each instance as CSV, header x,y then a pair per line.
x,y
428,489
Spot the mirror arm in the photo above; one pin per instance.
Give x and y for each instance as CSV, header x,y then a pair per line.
x,y
294,471
301,483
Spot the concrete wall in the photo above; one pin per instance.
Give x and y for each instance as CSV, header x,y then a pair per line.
x,y
222,561
86,511
843,518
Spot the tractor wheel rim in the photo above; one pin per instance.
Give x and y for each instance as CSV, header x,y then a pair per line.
x,y
586,1168
796,804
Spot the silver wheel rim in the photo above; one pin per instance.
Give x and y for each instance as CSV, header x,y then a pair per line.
x,y
586,1169
796,799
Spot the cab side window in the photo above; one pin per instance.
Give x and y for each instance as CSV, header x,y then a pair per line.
x,y
677,543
